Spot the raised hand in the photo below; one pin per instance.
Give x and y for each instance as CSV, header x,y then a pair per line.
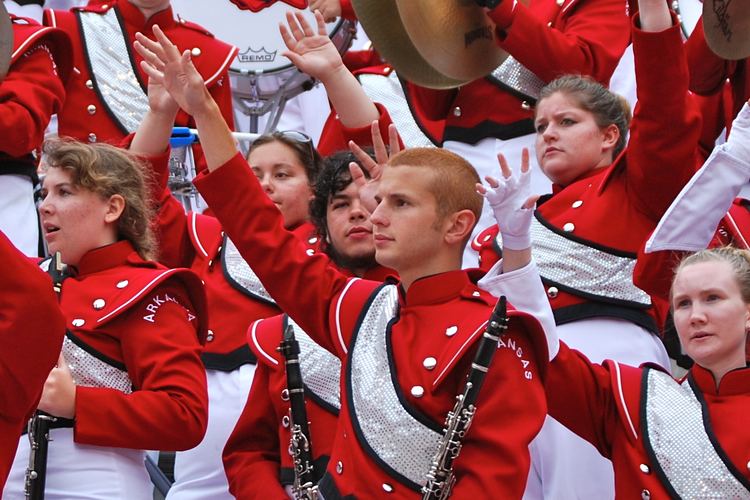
x,y
512,202
331,9
368,186
59,393
173,71
313,53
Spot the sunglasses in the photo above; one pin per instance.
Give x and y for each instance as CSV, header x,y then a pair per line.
x,y
298,137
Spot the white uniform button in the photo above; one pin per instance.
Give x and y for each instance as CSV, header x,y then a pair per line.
x,y
78,322
569,227
92,137
577,204
105,6
91,109
429,363
525,105
559,2
210,336
285,395
549,24
748,465
475,293
487,237
552,292
417,391
646,495
457,111
451,331
195,51
99,304
310,252
122,284
339,467
285,421
312,240
89,85
387,488
645,469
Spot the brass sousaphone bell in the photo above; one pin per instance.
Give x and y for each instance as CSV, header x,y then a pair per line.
x,y
433,43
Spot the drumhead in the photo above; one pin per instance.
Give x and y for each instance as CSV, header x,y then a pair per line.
x,y
256,34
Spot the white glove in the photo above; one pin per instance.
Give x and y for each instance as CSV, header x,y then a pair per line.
x,y
506,197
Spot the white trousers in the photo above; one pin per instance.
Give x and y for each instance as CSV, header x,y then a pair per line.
x,y
18,218
564,466
199,472
83,472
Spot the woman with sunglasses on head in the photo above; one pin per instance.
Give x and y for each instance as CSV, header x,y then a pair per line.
x,y
130,377
669,438
608,195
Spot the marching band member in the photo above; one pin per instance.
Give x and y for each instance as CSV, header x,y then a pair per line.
x,y
105,97
671,438
585,256
31,328
255,458
31,92
130,377
426,324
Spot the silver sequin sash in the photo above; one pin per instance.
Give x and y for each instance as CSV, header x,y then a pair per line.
x,y
387,91
111,68
89,371
580,267
321,370
405,444
679,440
517,77
241,274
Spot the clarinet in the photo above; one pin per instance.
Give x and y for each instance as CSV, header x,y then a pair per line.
x,y
300,447
39,425
440,478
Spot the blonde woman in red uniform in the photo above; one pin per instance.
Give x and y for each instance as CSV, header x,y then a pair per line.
x,y
671,438
131,377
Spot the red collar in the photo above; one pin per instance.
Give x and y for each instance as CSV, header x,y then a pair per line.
x,y
556,188
105,257
135,20
734,383
436,288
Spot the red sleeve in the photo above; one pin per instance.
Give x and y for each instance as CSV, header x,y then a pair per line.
x,y
335,136
251,455
708,72
31,333
279,258
661,154
168,409
590,41
510,412
580,396
29,95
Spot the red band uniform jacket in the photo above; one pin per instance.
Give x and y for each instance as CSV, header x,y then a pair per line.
x,y
31,328
424,353
106,97
144,325
666,438
256,458
597,224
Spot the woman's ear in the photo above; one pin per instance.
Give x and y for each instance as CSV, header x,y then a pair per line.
x,y
115,207
610,136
